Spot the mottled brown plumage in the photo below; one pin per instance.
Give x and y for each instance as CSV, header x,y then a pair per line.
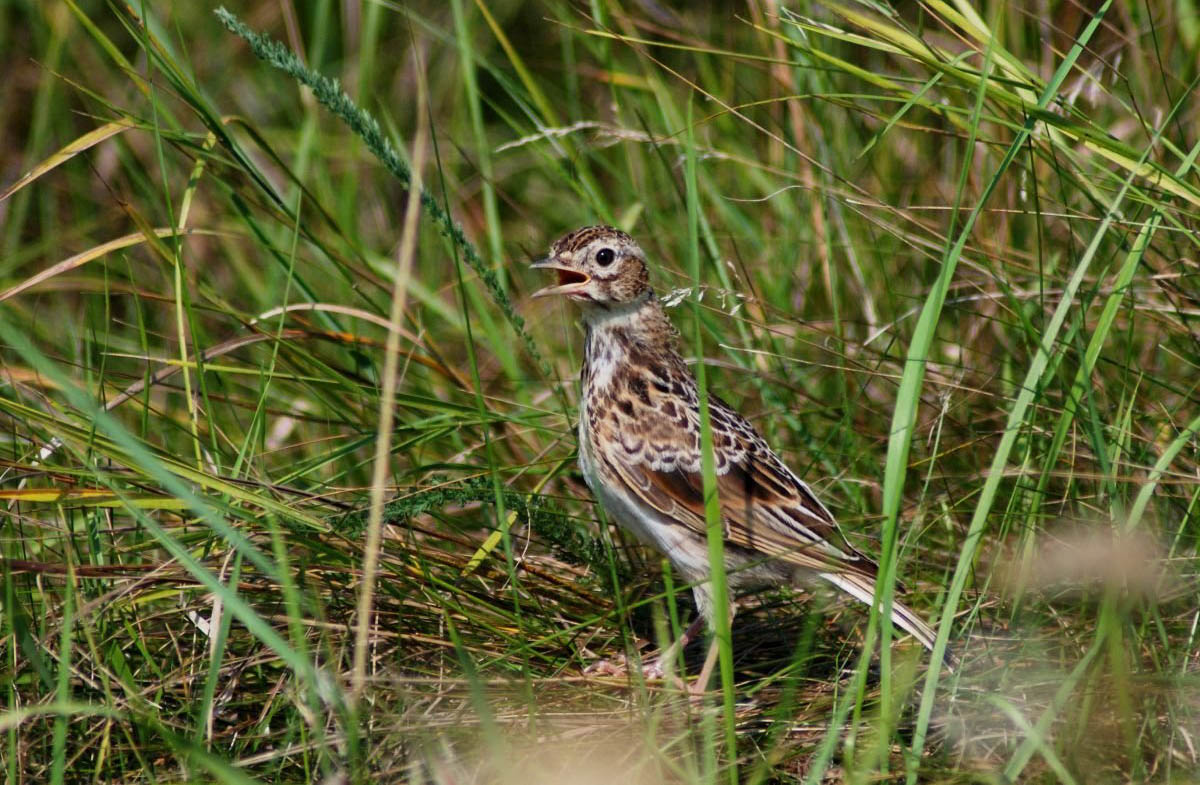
x,y
639,443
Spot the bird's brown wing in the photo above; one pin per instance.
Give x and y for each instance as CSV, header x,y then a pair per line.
x,y
765,508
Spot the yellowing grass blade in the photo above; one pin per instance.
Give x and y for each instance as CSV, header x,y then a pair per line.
x,y
82,258
494,538
94,497
1155,176
90,139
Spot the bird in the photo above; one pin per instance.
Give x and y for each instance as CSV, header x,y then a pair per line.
x,y
640,450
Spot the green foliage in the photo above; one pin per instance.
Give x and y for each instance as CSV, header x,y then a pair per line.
x,y
363,123
942,254
536,511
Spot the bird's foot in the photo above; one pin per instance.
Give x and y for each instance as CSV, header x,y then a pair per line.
x,y
658,668
615,666
652,669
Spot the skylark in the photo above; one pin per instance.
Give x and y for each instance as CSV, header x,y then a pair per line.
x,y
639,447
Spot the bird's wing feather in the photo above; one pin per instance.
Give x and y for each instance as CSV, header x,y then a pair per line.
x,y
764,506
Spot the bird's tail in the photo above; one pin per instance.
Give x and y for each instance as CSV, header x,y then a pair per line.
x,y
862,588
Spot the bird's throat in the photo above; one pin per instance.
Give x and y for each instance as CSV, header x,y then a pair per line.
x,y
638,332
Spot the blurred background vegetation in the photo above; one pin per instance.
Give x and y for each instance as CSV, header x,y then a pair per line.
x,y
947,264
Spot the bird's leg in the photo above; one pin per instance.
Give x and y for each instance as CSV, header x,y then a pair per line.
x,y
701,684
657,667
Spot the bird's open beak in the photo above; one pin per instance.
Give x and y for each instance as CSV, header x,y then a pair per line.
x,y
569,281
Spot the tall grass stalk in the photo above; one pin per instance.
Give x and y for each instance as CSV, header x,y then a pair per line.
x,y
365,618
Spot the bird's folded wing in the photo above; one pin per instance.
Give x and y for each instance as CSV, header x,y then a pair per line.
x,y
764,507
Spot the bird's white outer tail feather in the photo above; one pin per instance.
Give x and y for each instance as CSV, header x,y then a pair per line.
x,y
863,589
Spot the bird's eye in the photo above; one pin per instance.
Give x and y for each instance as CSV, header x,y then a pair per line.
x,y
604,257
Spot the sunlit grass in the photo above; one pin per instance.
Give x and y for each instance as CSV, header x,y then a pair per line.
x,y
944,258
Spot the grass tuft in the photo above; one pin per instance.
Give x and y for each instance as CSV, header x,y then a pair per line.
x,y
943,256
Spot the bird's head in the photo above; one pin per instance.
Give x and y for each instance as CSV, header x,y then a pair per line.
x,y
597,265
